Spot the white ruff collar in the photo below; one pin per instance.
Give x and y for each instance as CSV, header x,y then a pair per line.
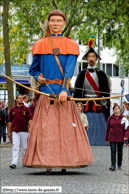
x,y
91,67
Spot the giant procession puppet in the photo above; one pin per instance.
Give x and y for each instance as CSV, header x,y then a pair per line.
x,y
57,136
93,83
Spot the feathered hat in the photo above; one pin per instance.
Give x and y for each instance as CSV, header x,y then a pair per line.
x,y
91,44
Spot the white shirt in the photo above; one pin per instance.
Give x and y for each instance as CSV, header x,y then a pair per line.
x,y
126,112
26,104
84,119
111,111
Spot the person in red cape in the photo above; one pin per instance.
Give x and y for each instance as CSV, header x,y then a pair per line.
x,y
54,142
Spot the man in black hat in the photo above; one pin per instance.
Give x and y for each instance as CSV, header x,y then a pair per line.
x,y
93,83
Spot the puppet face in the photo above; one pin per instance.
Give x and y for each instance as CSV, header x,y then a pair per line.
x,y
91,59
56,23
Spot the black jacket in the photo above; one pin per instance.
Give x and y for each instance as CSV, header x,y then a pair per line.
x,y
103,87
3,115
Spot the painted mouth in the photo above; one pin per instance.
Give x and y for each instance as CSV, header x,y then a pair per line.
x,y
55,27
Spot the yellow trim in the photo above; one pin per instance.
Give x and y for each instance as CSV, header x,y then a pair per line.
x,y
97,104
93,101
63,83
96,75
84,85
58,62
68,83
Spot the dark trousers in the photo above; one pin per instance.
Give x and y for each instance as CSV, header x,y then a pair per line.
x,y
116,147
4,132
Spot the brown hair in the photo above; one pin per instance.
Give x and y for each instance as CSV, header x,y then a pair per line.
x,y
57,12
115,106
81,105
18,95
25,96
31,99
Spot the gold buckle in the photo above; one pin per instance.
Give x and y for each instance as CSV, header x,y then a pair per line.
x,y
56,81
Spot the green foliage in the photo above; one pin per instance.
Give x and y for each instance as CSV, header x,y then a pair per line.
x,y
109,82
82,18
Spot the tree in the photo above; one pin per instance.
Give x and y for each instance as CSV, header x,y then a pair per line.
x,y
7,51
81,22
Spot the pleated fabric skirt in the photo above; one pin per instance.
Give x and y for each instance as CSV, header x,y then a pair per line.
x,y
53,141
97,128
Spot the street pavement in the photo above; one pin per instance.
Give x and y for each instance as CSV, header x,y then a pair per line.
x,y
96,178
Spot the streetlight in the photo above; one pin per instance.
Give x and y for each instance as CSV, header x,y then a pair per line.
x,y
98,23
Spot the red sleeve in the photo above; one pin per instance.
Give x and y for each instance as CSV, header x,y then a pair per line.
x,y
29,115
126,134
10,118
107,130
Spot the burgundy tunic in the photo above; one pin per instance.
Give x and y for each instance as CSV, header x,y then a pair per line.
x,y
19,117
115,130
32,107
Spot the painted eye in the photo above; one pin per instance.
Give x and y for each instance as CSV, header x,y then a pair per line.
x,y
52,21
59,21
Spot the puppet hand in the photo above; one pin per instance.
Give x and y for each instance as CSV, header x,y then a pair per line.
x,y
41,80
125,138
63,96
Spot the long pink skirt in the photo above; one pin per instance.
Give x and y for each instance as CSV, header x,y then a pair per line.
x,y
53,141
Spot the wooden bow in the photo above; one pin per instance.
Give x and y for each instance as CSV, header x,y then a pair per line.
x,y
68,98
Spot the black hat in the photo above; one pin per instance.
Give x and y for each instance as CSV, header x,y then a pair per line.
x,y
91,48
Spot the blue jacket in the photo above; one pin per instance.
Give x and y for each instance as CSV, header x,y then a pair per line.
x,y
47,65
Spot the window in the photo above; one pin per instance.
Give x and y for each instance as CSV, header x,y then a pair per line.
x,y
4,95
115,70
109,69
103,67
29,58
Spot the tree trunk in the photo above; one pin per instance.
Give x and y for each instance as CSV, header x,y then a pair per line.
x,y
67,33
7,52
